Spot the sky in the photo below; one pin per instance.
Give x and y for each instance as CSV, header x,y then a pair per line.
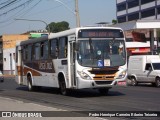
x,y
90,11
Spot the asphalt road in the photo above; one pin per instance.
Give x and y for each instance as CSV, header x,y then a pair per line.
x,y
130,98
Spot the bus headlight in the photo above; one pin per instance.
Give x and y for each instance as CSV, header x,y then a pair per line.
x,y
122,75
84,75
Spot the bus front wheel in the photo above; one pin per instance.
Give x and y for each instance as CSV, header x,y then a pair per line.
x,y
62,86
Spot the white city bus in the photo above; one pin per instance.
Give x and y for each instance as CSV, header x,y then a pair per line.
x,y
86,57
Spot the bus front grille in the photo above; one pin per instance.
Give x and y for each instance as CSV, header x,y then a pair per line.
x,y
104,77
106,74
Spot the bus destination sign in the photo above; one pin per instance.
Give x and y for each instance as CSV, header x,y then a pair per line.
x,y
100,33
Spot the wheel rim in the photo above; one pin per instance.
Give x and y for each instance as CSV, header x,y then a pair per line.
x,y
133,82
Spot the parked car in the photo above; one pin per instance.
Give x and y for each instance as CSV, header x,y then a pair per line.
x,y
1,77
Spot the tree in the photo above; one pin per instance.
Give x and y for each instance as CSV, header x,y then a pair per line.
x,y
114,21
59,26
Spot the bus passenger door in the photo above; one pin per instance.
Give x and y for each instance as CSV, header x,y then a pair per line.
x,y
72,64
19,66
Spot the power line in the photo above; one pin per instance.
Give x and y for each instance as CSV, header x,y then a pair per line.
x,y
10,18
4,2
19,13
49,9
7,5
27,11
11,10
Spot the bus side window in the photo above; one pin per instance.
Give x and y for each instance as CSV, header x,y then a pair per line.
x,y
44,50
16,54
53,48
36,51
33,52
62,47
29,52
25,53
41,51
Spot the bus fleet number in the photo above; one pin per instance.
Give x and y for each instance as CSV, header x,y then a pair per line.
x,y
45,66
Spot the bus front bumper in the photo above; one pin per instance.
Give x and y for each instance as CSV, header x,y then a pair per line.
x,y
82,83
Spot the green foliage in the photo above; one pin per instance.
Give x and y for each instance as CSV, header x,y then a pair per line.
x,y
114,21
59,26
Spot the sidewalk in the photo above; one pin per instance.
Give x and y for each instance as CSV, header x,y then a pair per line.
x,y
11,105
8,76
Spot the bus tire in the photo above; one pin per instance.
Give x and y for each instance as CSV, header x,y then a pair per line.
x,y
133,81
103,91
62,86
29,81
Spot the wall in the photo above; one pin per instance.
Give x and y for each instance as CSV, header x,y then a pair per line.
x,y
9,43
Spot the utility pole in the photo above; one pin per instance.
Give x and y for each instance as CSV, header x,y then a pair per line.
x,y
77,13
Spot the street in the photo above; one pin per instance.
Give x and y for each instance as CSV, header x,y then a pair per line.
x,y
130,98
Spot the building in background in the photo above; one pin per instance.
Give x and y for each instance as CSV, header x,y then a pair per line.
x,y
8,47
140,19
128,10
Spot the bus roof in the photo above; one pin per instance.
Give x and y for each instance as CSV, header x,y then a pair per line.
x,y
33,40
60,34
75,30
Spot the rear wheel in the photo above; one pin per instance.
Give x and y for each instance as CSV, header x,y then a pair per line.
x,y
29,79
103,91
133,81
30,86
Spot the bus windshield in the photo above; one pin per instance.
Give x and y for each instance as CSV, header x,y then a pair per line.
x,y
101,52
